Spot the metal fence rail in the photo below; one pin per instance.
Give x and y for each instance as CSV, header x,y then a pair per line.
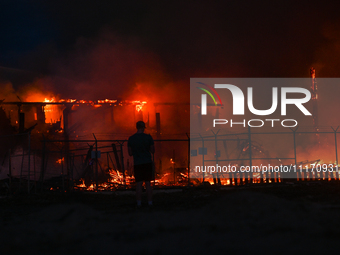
x,y
68,164
249,137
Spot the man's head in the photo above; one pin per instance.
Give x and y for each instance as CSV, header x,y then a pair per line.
x,y
140,125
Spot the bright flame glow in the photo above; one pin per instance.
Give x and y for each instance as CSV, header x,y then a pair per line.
x,y
59,161
139,105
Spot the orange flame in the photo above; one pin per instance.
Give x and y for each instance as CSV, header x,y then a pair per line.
x,y
53,113
139,105
59,161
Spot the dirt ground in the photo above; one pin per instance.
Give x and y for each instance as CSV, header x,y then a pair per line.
x,y
279,219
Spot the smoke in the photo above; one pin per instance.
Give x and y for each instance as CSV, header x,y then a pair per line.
x,y
109,66
36,91
106,67
7,92
123,68
326,60
112,67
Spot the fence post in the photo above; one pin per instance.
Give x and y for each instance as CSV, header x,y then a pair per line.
x,y
96,143
42,169
122,159
295,162
153,168
72,167
29,162
62,170
188,159
10,171
107,159
202,158
22,166
68,161
35,180
250,155
336,147
216,156
174,165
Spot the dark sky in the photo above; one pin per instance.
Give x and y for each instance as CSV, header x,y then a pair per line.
x,y
188,38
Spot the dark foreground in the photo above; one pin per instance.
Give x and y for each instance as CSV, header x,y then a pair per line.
x,y
279,219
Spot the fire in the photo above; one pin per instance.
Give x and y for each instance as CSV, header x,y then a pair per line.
x,y
106,101
53,112
59,161
82,185
48,108
139,105
49,100
117,180
139,108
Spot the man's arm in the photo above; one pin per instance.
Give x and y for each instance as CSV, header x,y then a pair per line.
x,y
152,145
130,150
152,149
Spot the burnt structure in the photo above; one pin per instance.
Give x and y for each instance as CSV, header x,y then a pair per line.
x,y
68,116
79,118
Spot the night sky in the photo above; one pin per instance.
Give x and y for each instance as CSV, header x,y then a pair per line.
x,y
179,39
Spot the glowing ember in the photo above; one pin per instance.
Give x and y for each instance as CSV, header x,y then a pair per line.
x,y
59,161
118,180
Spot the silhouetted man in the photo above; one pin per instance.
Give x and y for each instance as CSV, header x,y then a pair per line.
x,y
141,146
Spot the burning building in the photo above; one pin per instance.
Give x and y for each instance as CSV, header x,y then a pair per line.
x,y
71,116
69,123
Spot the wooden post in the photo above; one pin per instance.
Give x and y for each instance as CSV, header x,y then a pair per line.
x,y
158,123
